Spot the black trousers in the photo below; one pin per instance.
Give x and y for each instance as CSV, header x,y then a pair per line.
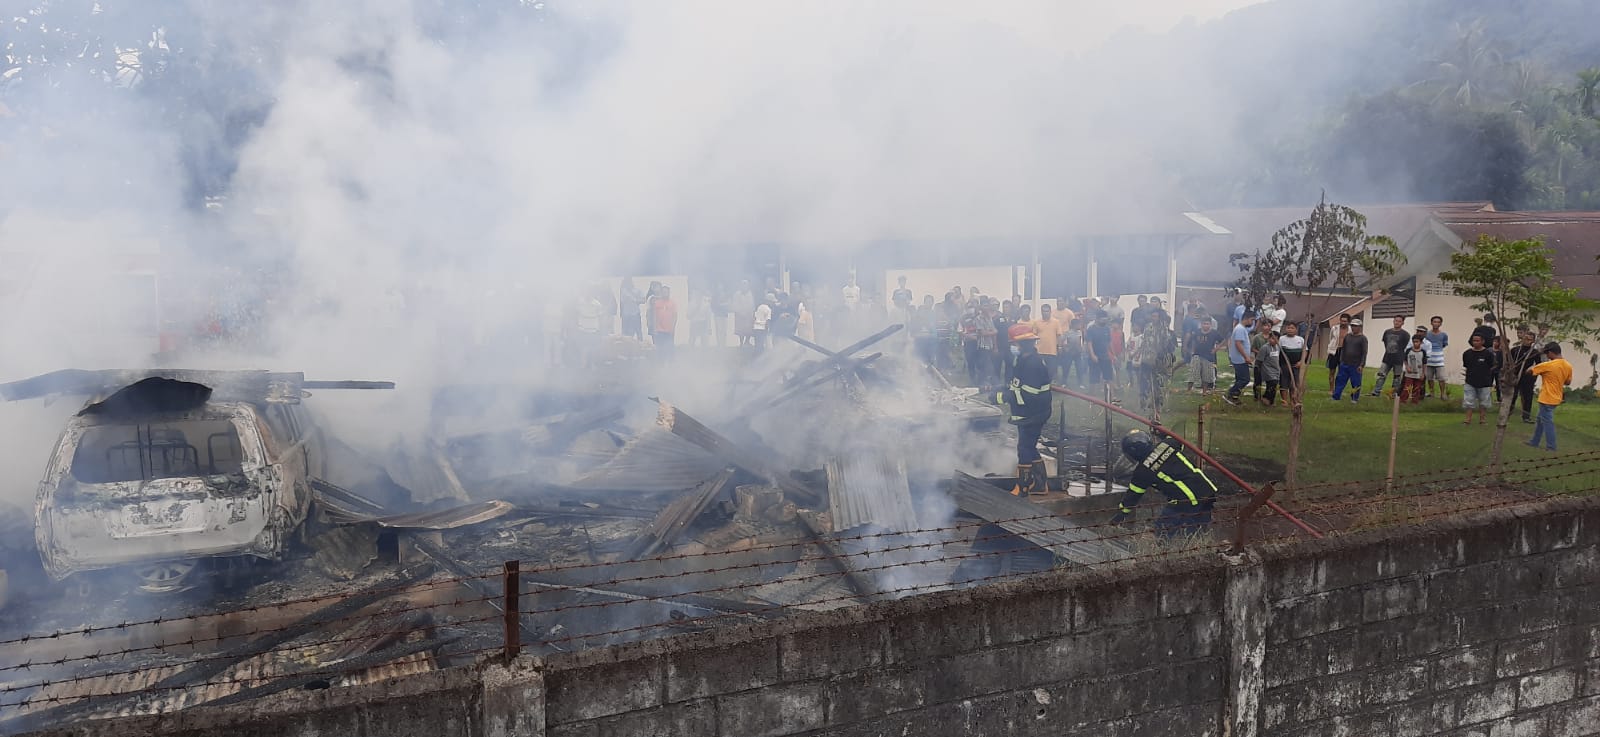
x,y
1028,441
1525,395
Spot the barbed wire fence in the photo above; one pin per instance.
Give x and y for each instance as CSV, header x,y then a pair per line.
x,y
100,670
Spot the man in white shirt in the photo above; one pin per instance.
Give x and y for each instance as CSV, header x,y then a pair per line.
x,y
1276,312
1335,341
763,316
851,294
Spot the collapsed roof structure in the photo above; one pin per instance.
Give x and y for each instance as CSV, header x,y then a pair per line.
x,y
623,532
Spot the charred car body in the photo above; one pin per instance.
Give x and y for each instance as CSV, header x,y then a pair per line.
x,y
174,469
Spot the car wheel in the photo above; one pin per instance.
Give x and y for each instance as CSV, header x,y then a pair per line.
x,y
166,577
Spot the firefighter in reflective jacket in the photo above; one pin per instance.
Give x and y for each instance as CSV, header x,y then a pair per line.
x,y
1029,398
1160,465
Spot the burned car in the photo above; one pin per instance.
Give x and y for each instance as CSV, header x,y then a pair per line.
x,y
174,470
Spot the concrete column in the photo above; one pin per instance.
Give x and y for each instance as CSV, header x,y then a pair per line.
x,y
1038,294
1091,269
1172,280
512,699
783,268
1244,622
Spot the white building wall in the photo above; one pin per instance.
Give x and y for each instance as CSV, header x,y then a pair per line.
x,y
995,281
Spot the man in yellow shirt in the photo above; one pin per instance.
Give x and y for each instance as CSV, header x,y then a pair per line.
x,y
1049,331
1554,375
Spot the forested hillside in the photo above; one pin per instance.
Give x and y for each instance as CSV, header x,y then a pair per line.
x,y
1404,99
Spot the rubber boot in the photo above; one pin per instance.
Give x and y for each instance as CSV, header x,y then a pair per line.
x,y
1039,479
1023,480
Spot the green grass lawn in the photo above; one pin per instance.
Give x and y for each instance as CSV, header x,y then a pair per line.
x,y
1350,442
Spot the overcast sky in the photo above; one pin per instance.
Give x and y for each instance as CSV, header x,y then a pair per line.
x,y
1091,22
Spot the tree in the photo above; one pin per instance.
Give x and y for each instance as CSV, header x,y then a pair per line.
x,y
1469,70
1329,253
1516,281
1404,149
1588,92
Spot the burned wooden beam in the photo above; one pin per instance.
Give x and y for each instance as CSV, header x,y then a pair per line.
x,y
676,517
690,429
836,359
483,587
794,390
850,350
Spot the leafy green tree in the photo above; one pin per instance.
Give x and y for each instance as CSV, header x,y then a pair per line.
x,y
1516,281
1328,254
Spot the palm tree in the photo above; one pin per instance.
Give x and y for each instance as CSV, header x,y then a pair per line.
x,y
1469,70
1587,94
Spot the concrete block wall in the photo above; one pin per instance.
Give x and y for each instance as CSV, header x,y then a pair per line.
x,y
1114,657
1492,630
1485,624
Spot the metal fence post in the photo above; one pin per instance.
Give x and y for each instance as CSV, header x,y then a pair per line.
x,y
513,620
1200,431
1108,439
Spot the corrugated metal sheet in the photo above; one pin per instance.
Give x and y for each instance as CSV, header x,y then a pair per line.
x,y
255,671
653,461
870,489
677,516
1034,523
448,519
421,467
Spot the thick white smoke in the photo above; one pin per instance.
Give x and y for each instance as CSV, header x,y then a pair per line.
x,y
425,188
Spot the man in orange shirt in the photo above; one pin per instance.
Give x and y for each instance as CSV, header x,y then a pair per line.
x,y
1555,373
1049,331
664,322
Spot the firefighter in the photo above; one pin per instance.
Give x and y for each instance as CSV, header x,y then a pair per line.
x,y
1159,464
1028,396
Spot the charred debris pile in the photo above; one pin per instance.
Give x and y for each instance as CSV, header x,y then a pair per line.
x,y
835,478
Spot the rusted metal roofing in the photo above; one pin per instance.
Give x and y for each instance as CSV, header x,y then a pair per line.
x,y
1573,238
870,489
1033,523
653,461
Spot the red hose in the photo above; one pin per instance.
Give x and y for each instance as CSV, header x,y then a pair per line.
x,y
1191,447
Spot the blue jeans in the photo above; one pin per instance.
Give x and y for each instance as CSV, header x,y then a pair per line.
x,y
1241,376
1348,375
1545,427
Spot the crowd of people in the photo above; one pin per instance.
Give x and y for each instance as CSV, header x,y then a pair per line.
x,y
1094,342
